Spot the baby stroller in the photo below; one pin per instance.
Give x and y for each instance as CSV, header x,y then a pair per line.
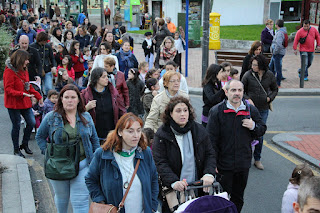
x,y
216,202
37,111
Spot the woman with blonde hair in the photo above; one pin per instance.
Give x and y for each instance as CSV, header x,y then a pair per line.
x,y
267,36
171,83
168,51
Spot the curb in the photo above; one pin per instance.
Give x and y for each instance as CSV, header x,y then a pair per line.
x,y
17,193
282,91
280,139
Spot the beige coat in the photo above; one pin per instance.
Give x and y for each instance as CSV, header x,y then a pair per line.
x,y
158,106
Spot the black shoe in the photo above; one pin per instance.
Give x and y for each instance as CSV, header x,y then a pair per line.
x,y
26,149
18,152
283,78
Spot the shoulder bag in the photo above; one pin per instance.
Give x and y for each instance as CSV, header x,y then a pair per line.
x,y
109,208
303,40
62,160
270,103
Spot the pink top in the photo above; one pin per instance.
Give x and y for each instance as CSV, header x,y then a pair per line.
x,y
308,46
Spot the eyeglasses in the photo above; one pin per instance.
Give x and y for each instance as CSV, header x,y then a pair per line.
x,y
175,81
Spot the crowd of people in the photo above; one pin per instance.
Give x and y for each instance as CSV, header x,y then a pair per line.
x,y
131,114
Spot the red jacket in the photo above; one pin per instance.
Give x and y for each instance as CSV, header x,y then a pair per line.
x,y
14,88
307,46
117,105
77,65
122,88
70,72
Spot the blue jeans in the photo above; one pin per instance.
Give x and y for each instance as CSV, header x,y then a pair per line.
x,y
309,59
258,148
276,67
15,117
47,82
75,190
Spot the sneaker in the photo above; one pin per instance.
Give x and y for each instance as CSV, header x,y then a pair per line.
x,y
306,79
283,78
259,165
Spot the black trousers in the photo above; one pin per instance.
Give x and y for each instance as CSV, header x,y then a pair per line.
x,y
234,182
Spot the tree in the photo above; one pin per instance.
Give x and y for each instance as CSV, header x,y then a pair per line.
x,y
85,7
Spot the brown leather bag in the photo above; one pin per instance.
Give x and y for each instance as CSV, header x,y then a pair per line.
x,y
109,208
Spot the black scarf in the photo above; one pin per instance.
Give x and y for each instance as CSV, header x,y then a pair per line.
x,y
181,130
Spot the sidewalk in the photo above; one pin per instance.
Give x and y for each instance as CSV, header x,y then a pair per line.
x,y
304,145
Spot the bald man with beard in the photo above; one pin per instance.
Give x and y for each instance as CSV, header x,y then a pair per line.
x,y
34,67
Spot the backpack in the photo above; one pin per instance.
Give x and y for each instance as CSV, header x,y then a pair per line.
x,y
285,42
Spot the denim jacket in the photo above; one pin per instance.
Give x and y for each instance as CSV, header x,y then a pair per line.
x,y
53,121
104,179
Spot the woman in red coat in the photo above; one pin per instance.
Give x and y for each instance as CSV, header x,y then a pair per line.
x,y
17,98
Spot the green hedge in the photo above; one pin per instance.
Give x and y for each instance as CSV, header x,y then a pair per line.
x,y
5,41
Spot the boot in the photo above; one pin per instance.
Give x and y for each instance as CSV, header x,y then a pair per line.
x,y
18,152
26,149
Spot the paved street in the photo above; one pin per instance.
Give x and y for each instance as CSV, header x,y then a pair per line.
x,y
265,188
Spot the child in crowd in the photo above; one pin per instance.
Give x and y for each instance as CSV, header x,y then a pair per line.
x,y
152,88
116,31
148,135
227,68
50,101
234,74
40,29
86,57
136,87
94,52
180,46
153,73
62,51
172,66
64,79
67,64
68,38
37,112
86,73
143,69
77,60
148,48
299,174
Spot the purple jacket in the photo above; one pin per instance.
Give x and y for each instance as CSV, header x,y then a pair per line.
x,y
289,196
266,37
48,107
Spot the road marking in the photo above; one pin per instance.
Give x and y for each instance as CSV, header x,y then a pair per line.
x,y
308,96
286,156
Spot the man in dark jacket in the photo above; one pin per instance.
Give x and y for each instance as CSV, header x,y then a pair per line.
x,y
232,126
34,67
26,30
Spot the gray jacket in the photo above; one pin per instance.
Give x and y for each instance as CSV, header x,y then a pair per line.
x,y
278,41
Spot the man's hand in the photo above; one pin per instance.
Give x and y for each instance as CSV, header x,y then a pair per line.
x,y
268,99
207,180
91,104
180,186
248,123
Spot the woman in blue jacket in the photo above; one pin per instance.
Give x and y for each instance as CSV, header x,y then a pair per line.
x,y
71,117
113,164
126,58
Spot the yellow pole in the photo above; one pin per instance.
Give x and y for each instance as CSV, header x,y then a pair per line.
x,y
214,36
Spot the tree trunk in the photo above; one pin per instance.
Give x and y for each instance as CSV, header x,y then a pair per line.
x,y
4,4
211,5
48,7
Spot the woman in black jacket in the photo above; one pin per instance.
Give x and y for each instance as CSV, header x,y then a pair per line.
x,y
182,150
255,49
159,37
212,90
260,88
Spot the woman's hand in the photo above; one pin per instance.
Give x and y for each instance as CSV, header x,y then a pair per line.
x,y
28,95
77,52
91,104
268,99
251,102
41,102
207,180
81,60
180,186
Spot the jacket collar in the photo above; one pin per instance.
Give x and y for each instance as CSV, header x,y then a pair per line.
x,y
108,155
244,108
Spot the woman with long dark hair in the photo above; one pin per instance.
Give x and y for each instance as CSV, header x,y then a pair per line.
x,y
126,58
113,165
256,49
17,94
70,116
212,90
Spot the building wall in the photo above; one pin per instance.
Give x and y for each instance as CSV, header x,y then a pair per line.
x,y
171,9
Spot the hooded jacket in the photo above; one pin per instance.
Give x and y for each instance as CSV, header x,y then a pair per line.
x,y
289,196
278,42
14,86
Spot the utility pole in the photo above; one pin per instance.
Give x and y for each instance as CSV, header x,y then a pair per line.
x,y
205,38
102,13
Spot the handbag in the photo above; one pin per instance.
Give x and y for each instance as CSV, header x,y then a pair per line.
x,y
270,103
109,208
62,160
303,40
